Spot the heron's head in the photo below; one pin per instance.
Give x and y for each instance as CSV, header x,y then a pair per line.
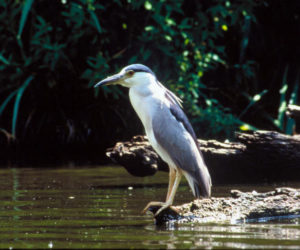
x,y
132,75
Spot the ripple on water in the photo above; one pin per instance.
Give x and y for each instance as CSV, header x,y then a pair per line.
x,y
99,207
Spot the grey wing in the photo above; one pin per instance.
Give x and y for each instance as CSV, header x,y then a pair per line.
x,y
175,135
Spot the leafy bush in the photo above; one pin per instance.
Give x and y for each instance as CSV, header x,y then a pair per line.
x,y
53,52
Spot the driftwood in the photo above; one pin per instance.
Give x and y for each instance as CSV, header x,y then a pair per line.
x,y
137,156
255,157
282,203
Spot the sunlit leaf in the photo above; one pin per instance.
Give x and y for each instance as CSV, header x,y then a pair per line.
x,y
247,127
257,97
148,5
208,102
283,89
168,38
149,28
170,22
224,27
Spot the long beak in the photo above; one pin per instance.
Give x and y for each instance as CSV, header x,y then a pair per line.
x,y
115,79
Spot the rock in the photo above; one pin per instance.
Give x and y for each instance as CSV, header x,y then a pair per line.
x,y
240,207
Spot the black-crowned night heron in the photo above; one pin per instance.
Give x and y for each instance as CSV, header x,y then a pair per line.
x,y
167,128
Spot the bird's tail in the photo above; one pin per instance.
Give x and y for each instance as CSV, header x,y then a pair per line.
x,y
200,183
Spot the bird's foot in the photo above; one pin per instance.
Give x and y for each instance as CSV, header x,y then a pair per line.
x,y
163,206
151,204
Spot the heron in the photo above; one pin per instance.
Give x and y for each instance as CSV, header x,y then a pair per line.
x,y
168,130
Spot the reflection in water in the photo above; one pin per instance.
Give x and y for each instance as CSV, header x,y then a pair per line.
x,y
100,208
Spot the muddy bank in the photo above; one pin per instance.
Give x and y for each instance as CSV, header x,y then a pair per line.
x,y
240,207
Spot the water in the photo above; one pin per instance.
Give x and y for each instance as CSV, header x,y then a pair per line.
x,y
100,208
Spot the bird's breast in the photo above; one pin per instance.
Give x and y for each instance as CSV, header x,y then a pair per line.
x,y
144,105
140,106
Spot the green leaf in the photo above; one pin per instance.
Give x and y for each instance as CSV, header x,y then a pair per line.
x,y
96,21
3,59
149,28
19,94
6,101
257,97
148,5
25,11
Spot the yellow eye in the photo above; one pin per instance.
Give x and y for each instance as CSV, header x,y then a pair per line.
x,y
130,72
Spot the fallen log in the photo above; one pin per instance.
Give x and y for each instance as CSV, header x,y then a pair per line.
x,y
241,207
137,156
254,157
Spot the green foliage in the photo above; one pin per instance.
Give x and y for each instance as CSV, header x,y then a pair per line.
x,y
62,48
215,120
180,39
18,93
282,122
175,28
37,45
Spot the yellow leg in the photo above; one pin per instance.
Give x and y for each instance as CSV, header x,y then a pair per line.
x,y
172,176
174,180
170,199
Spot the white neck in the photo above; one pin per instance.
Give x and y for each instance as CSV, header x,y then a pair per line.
x,y
144,98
